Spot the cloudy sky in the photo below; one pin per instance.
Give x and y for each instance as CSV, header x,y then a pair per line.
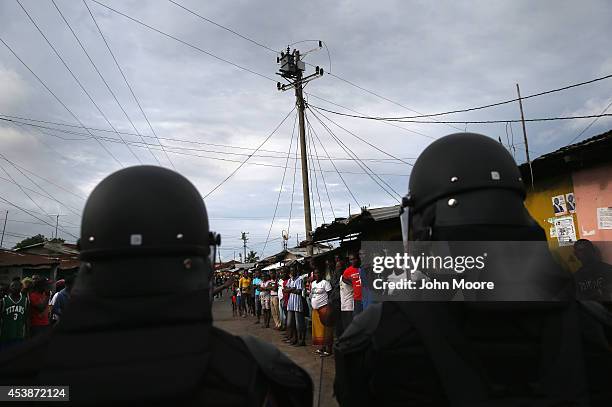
x,y
209,115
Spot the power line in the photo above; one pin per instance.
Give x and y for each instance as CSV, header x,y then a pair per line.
x,y
15,234
12,181
334,165
314,144
87,137
184,42
126,80
30,131
101,76
75,78
362,114
292,190
590,124
47,180
314,173
48,195
138,144
24,191
365,141
310,179
58,100
543,119
254,151
276,52
362,165
281,185
223,27
471,109
380,96
36,217
23,221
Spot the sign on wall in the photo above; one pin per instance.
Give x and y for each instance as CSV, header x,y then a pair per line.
x,y
570,201
604,218
559,206
566,232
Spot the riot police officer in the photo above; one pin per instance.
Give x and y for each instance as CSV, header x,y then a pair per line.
x,y
467,187
138,328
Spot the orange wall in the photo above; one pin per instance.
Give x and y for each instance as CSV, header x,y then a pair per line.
x,y
593,189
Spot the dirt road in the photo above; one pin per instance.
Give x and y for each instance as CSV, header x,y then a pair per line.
x,y
304,356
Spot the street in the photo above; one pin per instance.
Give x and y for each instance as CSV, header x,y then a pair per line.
x,y
303,356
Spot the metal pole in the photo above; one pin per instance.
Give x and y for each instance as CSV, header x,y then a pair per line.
x,y
304,161
3,229
244,240
56,224
518,91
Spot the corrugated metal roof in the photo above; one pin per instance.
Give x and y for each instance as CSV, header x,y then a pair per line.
x,y
604,138
355,223
577,146
10,258
386,212
590,152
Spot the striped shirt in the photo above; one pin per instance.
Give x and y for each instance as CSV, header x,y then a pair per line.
x,y
295,300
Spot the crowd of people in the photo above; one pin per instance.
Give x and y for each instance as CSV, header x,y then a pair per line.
x,y
30,306
320,297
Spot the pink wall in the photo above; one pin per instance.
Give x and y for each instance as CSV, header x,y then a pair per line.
x,y
593,189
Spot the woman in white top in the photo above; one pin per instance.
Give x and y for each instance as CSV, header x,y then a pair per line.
x,y
319,296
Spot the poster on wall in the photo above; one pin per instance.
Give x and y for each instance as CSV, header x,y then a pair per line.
x,y
566,233
604,218
571,202
559,205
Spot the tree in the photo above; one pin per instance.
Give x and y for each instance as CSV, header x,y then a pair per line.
x,y
30,241
252,257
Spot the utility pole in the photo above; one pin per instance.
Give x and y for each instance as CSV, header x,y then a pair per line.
x,y
285,239
244,240
3,229
292,67
56,225
520,100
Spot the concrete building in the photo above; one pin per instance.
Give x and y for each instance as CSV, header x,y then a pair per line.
x,y
578,178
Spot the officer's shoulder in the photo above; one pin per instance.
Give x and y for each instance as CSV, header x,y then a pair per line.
x,y
226,342
362,328
274,364
22,363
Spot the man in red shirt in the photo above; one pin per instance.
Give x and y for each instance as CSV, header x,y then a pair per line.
x,y
351,276
39,306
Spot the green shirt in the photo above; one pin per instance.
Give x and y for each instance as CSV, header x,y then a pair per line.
x,y
13,318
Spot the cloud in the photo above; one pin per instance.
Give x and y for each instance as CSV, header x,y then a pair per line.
x,y
425,57
15,90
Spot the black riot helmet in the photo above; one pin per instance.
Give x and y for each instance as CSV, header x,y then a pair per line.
x,y
464,179
146,226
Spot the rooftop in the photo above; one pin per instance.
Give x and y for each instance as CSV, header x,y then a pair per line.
x,y
588,153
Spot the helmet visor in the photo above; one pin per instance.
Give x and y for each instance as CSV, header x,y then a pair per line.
x,y
405,220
